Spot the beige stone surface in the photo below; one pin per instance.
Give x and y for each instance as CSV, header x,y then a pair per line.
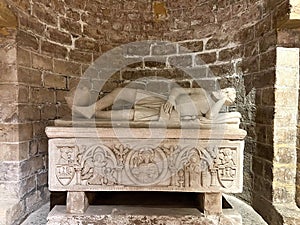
x,y
125,215
295,10
77,202
165,164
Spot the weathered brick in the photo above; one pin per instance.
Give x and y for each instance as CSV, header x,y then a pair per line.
x,y
224,13
93,32
87,44
31,23
56,81
29,76
40,95
28,113
60,96
9,93
257,166
163,49
137,49
263,27
32,199
264,79
14,151
39,128
264,115
48,111
9,113
267,60
245,35
43,149
24,57
268,42
181,61
27,40
42,62
23,94
215,43
8,55
45,14
251,48
59,36
8,73
173,73
31,166
79,56
288,38
231,53
137,74
8,171
15,132
155,62
265,151
63,111
205,58
71,13
222,70
67,68
54,49
33,148
73,82
27,185
77,4
250,65
268,97
42,178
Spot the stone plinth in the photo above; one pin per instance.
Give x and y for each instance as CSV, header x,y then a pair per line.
x,y
125,215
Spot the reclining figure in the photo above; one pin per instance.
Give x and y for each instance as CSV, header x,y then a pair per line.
x,y
183,103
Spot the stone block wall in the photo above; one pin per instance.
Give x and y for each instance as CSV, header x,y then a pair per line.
x,y
56,41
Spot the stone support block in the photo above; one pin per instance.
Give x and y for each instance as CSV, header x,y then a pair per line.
x,y
211,203
77,202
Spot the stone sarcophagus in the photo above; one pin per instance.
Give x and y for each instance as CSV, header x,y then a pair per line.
x,y
175,143
115,158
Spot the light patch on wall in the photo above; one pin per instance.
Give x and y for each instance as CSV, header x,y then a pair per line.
x,y
160,11
7,19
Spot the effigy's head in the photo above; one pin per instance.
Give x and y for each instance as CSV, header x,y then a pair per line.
x,y
80,96
228,93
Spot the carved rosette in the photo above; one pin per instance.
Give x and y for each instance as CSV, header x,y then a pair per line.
x,y
169,166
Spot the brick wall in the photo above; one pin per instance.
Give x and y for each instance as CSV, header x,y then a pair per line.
x,y
58,40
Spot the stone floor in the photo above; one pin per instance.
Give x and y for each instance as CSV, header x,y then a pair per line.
x,y
249,216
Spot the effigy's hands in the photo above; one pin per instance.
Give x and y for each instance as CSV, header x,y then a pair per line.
x,y
169,105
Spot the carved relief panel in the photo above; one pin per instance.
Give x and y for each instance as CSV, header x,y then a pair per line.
x,y
171,166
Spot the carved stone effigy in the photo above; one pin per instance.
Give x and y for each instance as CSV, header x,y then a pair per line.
x,y
114,158
175,143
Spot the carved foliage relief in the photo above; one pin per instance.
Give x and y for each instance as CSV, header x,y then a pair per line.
x,y
169,166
